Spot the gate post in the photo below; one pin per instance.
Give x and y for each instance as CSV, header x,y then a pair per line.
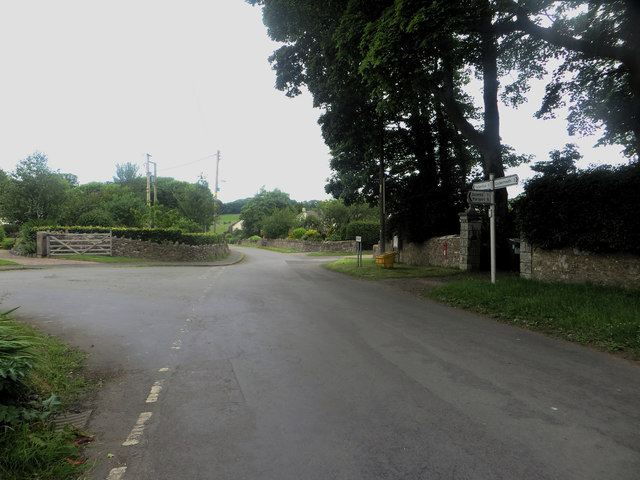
x,y
470,240
42,244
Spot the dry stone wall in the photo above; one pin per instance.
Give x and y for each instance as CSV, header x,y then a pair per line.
x,y
125,247
306,246
438,251
575,266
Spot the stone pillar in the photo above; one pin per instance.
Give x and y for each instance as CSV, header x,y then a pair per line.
x,y
526,260
42,244
470,239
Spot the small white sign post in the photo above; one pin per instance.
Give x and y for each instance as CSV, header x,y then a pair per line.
x,y
359,250
484,193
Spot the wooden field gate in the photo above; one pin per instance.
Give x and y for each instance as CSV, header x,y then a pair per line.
x,y
78,244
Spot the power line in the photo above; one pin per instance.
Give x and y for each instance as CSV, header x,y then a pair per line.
x,y
190,163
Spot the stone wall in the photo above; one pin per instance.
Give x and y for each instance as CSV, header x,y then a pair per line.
x,y
470,240
575,266
432,252
306,246
125,247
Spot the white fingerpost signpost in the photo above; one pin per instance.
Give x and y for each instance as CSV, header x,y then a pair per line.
x,y
484,193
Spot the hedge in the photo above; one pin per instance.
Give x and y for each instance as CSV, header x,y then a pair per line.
x,y
369,231
593,210
155,235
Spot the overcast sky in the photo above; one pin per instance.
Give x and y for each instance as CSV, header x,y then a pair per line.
x,y
92,84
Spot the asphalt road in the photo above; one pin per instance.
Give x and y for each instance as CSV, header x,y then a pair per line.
x,y
276,368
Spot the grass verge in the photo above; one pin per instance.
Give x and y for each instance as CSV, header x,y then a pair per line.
x,y
32,449
103,259
7,262
338,254
605,317
370,269
273,249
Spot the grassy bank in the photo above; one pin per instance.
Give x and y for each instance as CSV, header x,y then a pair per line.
x,y
224,221
39,377
605,317
272,249
365,253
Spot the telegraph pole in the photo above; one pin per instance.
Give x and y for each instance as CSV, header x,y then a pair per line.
x,y
151,180
215,200
148,181
155,183
382,198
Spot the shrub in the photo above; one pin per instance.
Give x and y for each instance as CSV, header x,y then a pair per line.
x,y
27,240
298,233
333,235
277,224
95,218
369,231
188,226
8,243
11,229
312,236
254,238
3,234
15,363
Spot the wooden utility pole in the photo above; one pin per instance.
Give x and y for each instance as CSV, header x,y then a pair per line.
x,y
155,183
215,194
383,214
151,180
148,181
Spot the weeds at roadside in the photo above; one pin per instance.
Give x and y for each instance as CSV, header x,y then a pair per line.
x,y
38,378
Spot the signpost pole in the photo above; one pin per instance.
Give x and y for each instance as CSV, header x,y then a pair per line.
x,y
484,193
492,227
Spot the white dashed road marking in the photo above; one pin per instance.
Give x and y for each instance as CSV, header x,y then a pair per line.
x,y
116,473
155,391
138,430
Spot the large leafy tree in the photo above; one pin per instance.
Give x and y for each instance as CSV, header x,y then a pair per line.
x,y
126,173
599,78
33,191
196,203
399,137
261,206
390,76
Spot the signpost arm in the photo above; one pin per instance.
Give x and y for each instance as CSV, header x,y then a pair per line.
x,y
492,227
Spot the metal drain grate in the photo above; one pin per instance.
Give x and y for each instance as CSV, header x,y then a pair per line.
x,y
78,420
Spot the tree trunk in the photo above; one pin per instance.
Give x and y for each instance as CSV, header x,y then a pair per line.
x,y
492,153
633,9
383,215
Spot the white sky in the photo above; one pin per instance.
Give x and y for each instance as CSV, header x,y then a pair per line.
x,y
92,84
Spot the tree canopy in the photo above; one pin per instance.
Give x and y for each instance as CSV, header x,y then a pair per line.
x,y
33,191
392,76
261,206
